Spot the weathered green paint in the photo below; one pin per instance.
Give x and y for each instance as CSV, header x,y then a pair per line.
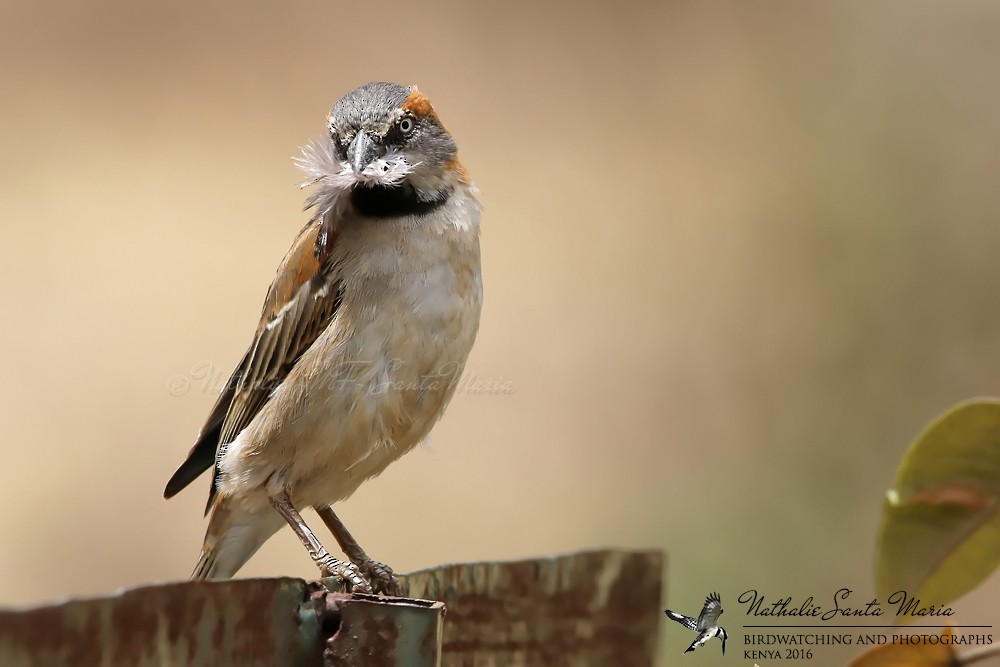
x,y
592,608
251,622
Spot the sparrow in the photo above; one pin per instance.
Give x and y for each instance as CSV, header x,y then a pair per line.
x,y
363,337
706,625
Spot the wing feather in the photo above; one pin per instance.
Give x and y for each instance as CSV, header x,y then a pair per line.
x,y
711,612
202,454
686,621
300,304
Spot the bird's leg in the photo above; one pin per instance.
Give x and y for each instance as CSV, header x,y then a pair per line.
x,y
348,573
380,575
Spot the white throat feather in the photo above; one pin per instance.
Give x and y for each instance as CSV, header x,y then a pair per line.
x,y
334,177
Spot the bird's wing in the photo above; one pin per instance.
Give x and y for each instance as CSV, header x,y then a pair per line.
x,y
711,612
686,621
202,455
299,306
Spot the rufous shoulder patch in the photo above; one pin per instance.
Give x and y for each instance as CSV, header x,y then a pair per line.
x,y
297,268
418,104
458,169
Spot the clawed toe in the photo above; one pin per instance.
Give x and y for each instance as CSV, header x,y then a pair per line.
x,y
348,574
381,576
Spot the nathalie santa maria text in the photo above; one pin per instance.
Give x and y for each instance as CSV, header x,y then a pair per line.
x,y
899,603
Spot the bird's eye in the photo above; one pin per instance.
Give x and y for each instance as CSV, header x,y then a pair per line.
x,y
406,125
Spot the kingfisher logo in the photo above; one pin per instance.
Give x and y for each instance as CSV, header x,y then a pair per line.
x,y
706,624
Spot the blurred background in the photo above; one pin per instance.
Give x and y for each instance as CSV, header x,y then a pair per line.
x,y
736,255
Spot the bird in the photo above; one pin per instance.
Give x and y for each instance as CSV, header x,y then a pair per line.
x,y
706,625
362,339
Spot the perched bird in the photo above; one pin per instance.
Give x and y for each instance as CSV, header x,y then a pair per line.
x,y
706,625
364,334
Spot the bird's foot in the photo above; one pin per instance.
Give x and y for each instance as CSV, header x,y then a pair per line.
x,y
381,576
348,574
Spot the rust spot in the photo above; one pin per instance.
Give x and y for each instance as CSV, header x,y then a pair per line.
x,y
952,494
373,630
418,104
593,608
255,623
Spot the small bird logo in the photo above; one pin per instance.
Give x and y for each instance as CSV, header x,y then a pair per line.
x,y
706,625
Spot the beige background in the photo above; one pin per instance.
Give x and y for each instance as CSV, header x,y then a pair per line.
x,y
736,256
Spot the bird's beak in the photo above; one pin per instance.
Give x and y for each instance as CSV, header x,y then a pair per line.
x,y
362,151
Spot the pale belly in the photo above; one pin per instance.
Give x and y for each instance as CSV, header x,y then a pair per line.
x,y
367,392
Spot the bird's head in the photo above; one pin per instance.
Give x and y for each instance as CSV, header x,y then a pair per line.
x,y
382,137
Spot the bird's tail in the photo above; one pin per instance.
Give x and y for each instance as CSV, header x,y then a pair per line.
x,y
233,536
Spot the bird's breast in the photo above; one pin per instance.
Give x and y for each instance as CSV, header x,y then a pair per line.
x,y
378,378
383,372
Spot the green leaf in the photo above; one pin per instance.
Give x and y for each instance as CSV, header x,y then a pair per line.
x,y
940,533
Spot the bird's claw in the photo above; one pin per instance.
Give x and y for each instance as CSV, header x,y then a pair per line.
x,y
348,574
381,577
